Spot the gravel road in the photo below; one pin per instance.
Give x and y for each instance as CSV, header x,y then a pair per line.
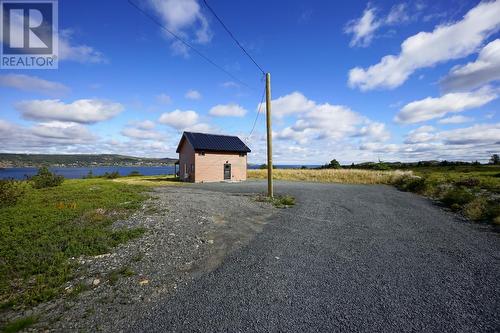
x,y
345,258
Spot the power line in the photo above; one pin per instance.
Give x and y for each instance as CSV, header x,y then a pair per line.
x,y
258,113
232,36
152,18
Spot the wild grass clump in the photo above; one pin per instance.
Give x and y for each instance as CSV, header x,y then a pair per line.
x,y
18,324
278,201
44,178
11,191
48,226
346,176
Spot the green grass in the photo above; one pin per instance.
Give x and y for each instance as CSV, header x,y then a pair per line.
x,y
18,324
48,226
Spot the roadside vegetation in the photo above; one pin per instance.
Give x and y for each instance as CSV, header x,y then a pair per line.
x,y
278,201
45,221
471,189
345,176
150,181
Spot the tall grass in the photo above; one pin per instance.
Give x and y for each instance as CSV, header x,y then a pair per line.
x,y
347,176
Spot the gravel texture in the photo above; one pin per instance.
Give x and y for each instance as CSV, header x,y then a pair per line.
x,y
188,233
345,258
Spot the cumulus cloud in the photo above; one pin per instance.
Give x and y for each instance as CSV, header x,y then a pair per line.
x,y
141,133
84,111
437,107
184,18
34,84
227,110
421,134
43,136
179,119
292,103
363,29
455,120
474,135
485,69
79,53
425,49
324,121
193,94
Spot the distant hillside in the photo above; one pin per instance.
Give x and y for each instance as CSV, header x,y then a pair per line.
x,y
79,160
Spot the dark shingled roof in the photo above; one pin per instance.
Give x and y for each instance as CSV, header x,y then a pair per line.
x,y
214,142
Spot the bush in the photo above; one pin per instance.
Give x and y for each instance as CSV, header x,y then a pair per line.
x,y
112,175
468,182
44,178
10,192
457,196
412,184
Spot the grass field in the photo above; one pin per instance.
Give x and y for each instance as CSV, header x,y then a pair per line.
x,y
48,226
347,176
150,181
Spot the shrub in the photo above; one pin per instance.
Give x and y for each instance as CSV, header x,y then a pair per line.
x,y
44,178
10,192
457,196
412,184
475,210
112,175
468,182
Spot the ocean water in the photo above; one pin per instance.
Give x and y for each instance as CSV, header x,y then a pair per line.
x,y
75,172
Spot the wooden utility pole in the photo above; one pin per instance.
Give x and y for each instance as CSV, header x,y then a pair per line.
x,y
269,137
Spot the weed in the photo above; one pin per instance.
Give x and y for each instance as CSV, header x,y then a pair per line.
x,y
18,324
10,192
115,275
457,196
279,201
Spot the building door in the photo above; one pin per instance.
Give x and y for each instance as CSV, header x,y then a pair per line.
x,y
227,171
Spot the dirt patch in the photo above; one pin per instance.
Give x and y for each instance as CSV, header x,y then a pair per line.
x,y
188,233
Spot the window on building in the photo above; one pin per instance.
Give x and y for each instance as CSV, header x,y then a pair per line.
x,y
192,168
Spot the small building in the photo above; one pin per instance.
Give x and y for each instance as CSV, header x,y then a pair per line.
x,y
211,158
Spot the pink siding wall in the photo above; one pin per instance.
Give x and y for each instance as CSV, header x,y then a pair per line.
x,y
186,159
210,167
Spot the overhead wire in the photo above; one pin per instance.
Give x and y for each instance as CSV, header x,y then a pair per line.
x,y
257,115
233,37
213,63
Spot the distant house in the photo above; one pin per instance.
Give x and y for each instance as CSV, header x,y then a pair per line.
x,y
211,158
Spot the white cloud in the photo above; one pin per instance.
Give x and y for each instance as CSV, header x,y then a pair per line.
x,y
33,83
79,53
425,49
85,111
193,94
437,107
227,110
179,119
363,28
230,84
421,134
146,124
485,69
292,103
474,135
455,120
324,121
184,18
43,136
163,99
141,134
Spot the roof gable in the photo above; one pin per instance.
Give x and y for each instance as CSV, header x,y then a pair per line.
x,y
214,142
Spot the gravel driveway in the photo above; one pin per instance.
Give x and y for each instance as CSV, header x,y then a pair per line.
x,y
345,258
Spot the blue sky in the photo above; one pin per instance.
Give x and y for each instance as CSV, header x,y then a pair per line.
x,y
409,80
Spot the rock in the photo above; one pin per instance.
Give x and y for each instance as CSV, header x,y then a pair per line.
x,y
210,241
96,282
143,282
